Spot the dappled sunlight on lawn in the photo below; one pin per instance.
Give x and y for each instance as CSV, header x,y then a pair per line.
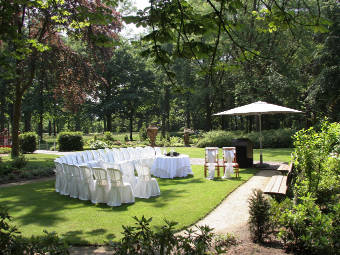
x,y
37,206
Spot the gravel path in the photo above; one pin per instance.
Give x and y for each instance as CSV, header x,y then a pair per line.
x,y
232,214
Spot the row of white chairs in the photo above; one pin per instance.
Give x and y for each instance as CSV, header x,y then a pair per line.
x,y
108,175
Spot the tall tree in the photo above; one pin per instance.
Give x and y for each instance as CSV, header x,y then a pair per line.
x,y
31,27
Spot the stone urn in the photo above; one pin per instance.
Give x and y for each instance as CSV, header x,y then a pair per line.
x,y
152,133
186,136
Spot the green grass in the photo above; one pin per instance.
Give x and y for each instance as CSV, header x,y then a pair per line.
x,y
274,154
269,154
38,165
37,206
35,160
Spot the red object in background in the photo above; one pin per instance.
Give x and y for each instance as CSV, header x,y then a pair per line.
x,y
5,139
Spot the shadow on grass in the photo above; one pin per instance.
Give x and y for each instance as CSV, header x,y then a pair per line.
x,y
77,237
39,204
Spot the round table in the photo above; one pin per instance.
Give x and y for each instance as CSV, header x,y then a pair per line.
x,y
170,167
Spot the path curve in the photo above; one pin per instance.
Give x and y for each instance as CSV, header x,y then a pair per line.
x,y
233,213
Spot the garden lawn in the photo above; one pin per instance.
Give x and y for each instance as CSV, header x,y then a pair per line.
x,y
36,207
38,165
269,154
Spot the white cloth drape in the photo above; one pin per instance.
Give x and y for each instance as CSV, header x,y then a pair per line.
x,y
170,167
229,157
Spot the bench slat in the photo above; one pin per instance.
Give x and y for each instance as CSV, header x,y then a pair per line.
x,y
270,184
277,184
283,187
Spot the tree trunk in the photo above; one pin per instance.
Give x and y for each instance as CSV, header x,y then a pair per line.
x,y
104,122
49,127
27,123
187,111
131,126
54,128
40,125
77,121
3,108
167,108
109,122
16,121
208,110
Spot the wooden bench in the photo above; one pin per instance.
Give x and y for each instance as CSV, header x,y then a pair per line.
x,y
285,169
278,184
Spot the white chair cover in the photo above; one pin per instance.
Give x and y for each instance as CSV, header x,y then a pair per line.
x,y
100,185
119,192
125,153
132,153
149,152
75,181
89,156
117,155
96,155
65,189
111,157
87,182
211,155
211,161
60,179
229,157
103,155
79,157
146,186
211,171
86,158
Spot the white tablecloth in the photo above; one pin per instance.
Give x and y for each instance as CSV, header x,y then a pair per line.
x,y
170,167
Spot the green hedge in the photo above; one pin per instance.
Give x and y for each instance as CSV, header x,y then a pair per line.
x,y
70,141
274,138
28,142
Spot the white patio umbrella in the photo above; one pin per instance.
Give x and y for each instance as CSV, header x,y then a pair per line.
x,y
258,108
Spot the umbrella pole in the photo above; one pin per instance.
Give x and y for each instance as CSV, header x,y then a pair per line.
x,y
261,158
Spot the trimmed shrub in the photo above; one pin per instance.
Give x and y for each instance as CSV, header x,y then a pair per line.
x,y
218,138
108,136
70,141
259,220
28,142
19,162
274,138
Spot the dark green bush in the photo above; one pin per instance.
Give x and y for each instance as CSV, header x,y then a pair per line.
x,y
19,162
70,141
108,136
304,228
309,223
259,220
218,138
28,142
143,133
275,138
141,239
